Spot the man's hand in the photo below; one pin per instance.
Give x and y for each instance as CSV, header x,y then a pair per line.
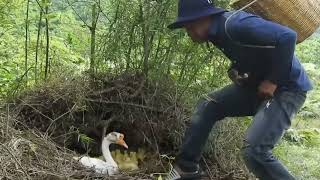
x,y
237,78
266,89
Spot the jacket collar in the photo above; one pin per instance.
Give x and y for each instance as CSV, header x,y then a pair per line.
x,y
215,26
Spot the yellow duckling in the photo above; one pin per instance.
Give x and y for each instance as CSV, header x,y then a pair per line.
x,y
141,154
117,155
130,163
133,157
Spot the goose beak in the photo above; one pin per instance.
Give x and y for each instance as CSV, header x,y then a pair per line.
x,y
121,142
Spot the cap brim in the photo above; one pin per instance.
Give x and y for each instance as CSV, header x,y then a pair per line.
x,y
180,23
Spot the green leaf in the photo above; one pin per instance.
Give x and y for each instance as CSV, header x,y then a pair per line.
x,y
85,139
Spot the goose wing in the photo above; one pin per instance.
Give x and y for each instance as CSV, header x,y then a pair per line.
x,y
98,165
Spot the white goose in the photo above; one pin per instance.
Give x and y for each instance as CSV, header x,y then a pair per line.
x,y
109,166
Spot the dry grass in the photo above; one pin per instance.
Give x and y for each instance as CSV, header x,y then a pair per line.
x,y
29,155
40,128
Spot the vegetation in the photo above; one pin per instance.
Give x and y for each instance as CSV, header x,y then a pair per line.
x,y
60,51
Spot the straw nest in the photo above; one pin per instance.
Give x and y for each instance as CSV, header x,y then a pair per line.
x,y
301,15
41,129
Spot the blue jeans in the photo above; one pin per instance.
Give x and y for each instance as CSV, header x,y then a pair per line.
x,y
270,119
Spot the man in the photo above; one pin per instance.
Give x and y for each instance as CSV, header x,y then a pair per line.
x,y
270,84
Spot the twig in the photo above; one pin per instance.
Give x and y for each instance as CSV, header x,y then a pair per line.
x,y
20,79
208,168
145,137
154,137
16,160
7,123
36,110
99,6
127,104
215,155
84,22
103,91
59,118
138,91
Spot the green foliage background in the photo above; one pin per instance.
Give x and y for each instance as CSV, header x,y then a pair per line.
x,y
132,36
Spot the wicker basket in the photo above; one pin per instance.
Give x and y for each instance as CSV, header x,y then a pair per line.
x,y
301,15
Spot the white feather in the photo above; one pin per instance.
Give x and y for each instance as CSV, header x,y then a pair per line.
x,y
99,166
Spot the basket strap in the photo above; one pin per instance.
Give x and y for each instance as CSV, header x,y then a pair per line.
x,y
249,4
227,33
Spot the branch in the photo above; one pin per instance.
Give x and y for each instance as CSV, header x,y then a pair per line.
x,y
126,104
85,23
5,6
101,11
20,79
4,32
40,6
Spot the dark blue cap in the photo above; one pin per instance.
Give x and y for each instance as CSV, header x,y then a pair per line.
x,y
190,10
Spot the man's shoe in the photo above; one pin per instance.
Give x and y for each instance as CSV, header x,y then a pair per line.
x,y
176,173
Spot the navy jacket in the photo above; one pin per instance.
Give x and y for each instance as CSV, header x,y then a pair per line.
x,y
261,48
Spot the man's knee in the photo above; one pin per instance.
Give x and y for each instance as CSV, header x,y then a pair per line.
x,y
247,153
207,108
258,153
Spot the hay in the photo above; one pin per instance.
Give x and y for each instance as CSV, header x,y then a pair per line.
x,y
40,128
28,155
144,112
301,15
148,113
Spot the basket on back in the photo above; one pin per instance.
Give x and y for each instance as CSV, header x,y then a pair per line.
x,y
303,16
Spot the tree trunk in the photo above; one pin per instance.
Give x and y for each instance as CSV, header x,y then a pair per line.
x,y
48,43
37,47
93,37
26,42
128,55
147,36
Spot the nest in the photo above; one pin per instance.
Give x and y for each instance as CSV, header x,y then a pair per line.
x,y
49,121
145,112
65,110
